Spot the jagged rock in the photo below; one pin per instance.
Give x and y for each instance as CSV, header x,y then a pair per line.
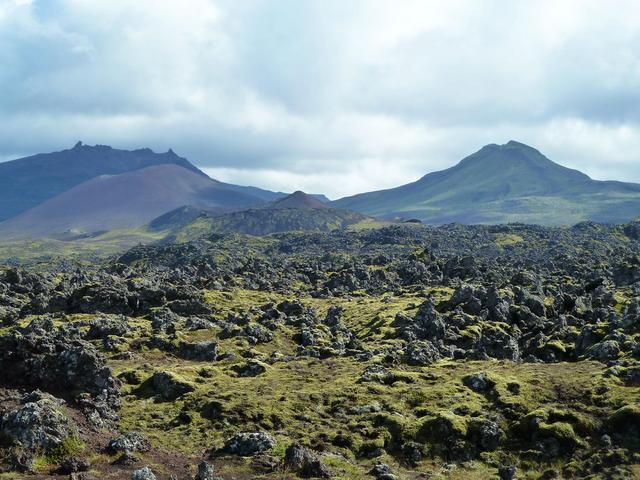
x,y
190,306
169,387
201,352
413,452
73,465
479,382
604,351
143,474
382,471
426,325
249,443
104,327
507,472
206,472
128,442
43,358
105,298
197,323
257,334
421,353
496,343
304,462
164,320
39,424
485,434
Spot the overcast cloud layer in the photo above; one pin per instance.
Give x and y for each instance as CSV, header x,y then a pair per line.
x,y
326,96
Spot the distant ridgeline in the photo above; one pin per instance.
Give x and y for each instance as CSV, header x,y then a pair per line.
x,y
143,196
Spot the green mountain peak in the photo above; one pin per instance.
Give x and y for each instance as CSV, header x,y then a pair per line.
x,y
505,183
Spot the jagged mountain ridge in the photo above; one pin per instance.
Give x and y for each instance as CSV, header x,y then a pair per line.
x,y
29,181
126,200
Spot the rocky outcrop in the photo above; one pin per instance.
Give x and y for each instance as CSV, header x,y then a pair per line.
x,y
249,443
43,356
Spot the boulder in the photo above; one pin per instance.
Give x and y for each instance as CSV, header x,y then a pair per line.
x,y
128,442
206,472
252,368
507,472
304,462
39,424
249,443
101,328
479,382
73,465
200,352
169,387
382,471
143,474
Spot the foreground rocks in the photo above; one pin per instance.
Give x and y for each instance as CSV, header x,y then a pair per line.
x,y
39,424
390,352
52,359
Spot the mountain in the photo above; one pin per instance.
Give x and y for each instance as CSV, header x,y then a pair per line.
x,y
126,200
29,181
503,184
295,212
270,196
298,199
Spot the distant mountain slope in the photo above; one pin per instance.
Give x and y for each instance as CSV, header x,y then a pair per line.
x,y
29,181
125,200
268,195
296,212
298,199
178,218
501,184
268,221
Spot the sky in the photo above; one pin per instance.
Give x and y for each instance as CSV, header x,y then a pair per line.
x,y
326,96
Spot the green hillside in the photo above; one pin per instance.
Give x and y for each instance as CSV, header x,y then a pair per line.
x,y
503,184
267,221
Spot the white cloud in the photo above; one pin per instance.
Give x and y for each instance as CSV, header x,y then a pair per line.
x,y
325,95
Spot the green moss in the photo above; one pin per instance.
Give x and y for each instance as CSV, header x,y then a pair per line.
x,y
428,404
625,418
558,346
508,239
445,426
72,445
561,431
472,333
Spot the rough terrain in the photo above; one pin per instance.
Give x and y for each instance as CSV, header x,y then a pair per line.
x,y
402,352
